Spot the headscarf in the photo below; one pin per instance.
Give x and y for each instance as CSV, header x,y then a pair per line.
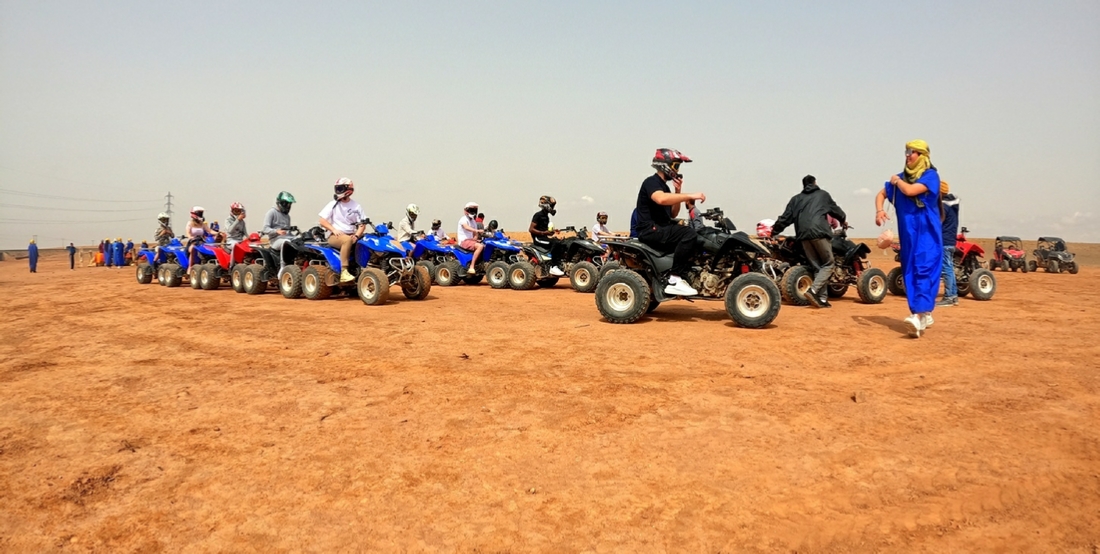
x,y
922,164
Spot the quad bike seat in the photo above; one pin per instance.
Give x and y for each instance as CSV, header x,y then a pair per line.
x,y
661,260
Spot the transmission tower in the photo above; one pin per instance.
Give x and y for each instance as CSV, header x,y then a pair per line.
x,y
168,207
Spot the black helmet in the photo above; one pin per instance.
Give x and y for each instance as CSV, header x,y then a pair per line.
x,y
283,201
436,224
547,204
492,226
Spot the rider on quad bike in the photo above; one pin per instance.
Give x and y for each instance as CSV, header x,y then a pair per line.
x,y
277,220
469,236
657,206
235,228
407,227
342,218
542,233
437,230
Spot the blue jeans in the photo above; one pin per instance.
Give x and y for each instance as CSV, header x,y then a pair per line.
x,y
950,287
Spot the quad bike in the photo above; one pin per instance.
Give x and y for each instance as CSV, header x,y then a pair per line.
x,y
499,264
429,251
175,270
150,261
581,261
284,266
378,262
970,277
792,271
726,265
1051,254
1008,254
243,256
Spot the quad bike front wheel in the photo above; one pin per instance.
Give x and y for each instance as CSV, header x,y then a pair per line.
x,y
982,284
608,267
872,286
253,279
418,285
837,291
173,275
796,282
208,276
752,300
193,277
373,286
236,277
446,273
1032,266
144,274
290,282
583,277
1024,266
623,297
429,266
895,282
160,275
315,282
497,275
1072,268
1053,267
521,276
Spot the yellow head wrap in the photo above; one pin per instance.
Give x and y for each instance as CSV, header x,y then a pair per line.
x,y
944,187
32,241
913,172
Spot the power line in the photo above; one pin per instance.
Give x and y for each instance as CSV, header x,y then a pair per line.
x,y
66,222
56,197
54,178
52,208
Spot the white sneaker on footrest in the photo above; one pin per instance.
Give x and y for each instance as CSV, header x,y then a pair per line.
x,y
556,271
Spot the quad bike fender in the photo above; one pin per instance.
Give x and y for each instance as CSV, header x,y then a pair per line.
x,y
242,249
583,249
223,256
966,248
332,256
740,240
635,250
269,257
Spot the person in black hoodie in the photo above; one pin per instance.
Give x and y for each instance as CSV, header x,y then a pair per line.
x,y
807,211
950,231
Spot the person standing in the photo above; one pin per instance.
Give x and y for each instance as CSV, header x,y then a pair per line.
x,y
72,256
342,218
120,253
914,194
950,232
809,211
32,256
108,253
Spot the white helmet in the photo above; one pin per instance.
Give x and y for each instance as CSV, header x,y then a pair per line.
x,y
413,210
162,215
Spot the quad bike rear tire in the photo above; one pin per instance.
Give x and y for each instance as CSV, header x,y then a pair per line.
x,y
315,282
236,277
872,286
373,286
608,268
895,282
160,275
418,285
446,273
1032,265
753,300
430,266
193,277
547,282
1053,267
473,279
837,291
290,282
796,281
253,281
1072,268
144,273
208,276
982,284
521,276
623,297
584,277
173,275
497,275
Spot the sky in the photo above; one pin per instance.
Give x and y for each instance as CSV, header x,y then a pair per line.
x,y
106,107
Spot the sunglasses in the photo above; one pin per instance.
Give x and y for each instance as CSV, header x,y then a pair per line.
x,y
909,152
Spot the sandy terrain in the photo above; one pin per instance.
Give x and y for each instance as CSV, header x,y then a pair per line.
x,y
139,418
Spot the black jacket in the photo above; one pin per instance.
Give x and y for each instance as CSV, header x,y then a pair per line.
x,y
950,219
807,212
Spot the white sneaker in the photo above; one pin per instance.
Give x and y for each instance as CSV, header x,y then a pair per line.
x,y
556,271
926,321
913,325
678,287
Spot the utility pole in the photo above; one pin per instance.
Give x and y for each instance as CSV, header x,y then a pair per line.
x,y
168,207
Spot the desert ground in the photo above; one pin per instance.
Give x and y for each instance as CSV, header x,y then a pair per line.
x,y
143,419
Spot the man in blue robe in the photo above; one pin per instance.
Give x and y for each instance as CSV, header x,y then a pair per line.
x,y
32,256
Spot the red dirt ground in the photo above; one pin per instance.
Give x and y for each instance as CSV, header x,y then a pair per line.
x,y
139,418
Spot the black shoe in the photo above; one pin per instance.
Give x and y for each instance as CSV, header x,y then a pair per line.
x,y
825,302
814,299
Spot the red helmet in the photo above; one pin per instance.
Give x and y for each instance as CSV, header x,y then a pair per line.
x,y
236,207
343,188
667,161
254,237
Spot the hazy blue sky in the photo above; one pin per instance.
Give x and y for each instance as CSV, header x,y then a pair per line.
x,y
440,103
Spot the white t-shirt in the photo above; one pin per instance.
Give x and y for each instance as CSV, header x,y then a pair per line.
x,y
463,234
439,234
344,216
599,229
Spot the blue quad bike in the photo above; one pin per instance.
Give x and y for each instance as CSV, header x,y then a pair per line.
x,y
499,264
174,270
150,261
429,251
378,262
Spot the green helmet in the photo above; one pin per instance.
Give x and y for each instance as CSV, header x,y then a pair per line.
x,y
283,201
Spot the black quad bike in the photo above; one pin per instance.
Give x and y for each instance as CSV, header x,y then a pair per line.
x,y
726,266
793,273
1051,255
581,261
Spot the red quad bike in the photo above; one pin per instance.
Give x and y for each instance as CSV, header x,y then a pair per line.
x,y
1008,254
229,264
970,277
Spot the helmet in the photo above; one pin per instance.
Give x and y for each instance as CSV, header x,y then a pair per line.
x,y
547,203
764,228
236,207
254,237
492,226
163,216
602,218
283,201
196,213
471,209
667,161
343,188
436,224
413,210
